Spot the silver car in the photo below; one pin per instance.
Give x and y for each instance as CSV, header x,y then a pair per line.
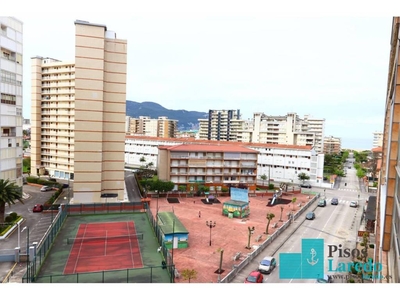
x,y
267,265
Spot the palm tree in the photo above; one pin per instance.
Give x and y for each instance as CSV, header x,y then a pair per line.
x,y
293,202
270,216
188,274
9,194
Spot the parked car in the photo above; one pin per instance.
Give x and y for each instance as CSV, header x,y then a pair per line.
x,y
45,188
38,208
322,202
267,265
353,204
334,201
65,185
310,215
254,277
305,185
325,279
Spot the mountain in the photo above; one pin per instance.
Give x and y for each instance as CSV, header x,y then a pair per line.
x,y
186,119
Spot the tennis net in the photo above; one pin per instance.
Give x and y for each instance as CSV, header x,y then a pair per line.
x,y
106,239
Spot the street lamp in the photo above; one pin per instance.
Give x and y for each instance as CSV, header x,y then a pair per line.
x,y
251,230
211,225
27,238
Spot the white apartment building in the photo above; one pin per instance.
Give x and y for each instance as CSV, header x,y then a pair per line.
x,y
332,145
378,139
144,125
78,114
221,125
281,163
226,125
11,50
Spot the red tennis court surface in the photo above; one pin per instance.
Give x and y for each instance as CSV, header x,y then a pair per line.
x,y
103,247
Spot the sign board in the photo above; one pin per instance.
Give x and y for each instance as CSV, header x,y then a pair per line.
x,y
239,194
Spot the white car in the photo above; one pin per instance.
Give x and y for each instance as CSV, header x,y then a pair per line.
x,y
45,188
267,264
353,204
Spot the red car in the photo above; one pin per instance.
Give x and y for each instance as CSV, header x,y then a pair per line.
x,y
38,208
254,277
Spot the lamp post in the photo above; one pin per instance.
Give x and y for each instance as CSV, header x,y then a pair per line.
x,y
69,197
211,225
27,238
251,230
269,174
19,238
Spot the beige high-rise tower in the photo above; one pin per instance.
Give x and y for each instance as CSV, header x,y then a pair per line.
x,y
78,115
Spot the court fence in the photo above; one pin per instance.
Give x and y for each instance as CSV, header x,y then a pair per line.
x,y
39,251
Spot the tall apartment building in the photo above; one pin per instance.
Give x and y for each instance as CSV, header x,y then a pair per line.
x,y
387,225
262,128
221,125
78,114
332,145
11,39
378,139
160,127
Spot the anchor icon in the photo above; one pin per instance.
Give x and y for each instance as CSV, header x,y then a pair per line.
x,y
313,254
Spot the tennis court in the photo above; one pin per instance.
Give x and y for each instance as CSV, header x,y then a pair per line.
x,y
104,246
92,245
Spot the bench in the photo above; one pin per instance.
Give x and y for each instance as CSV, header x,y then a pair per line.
x,y
237,256
258,238
274,225
177,274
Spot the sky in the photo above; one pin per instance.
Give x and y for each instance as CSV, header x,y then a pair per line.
x,y
329,61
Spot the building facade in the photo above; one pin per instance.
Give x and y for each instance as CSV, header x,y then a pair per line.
x,y
332,145
281,163
216,165
11,119
387,226
160,127
226,125
378,139
78,114
221,125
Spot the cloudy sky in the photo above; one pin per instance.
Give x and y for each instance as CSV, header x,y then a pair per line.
x,y
224,55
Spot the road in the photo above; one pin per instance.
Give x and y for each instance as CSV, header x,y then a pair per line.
x,y
132,188
337,225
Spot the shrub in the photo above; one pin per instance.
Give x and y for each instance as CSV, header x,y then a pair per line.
x,y
351,280
224,189
9,219
14,216
371,245
271,186
31,179
362,244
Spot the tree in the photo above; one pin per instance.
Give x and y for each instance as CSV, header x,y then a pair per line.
x,y
270,216
9,194
294,201
188,274
303,176
263,178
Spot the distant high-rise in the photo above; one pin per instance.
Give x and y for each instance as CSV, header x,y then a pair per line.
x,y
332,145
11,66
378,139
78,114
160,127
221,125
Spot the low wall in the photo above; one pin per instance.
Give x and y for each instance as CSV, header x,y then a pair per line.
x,y
237,268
